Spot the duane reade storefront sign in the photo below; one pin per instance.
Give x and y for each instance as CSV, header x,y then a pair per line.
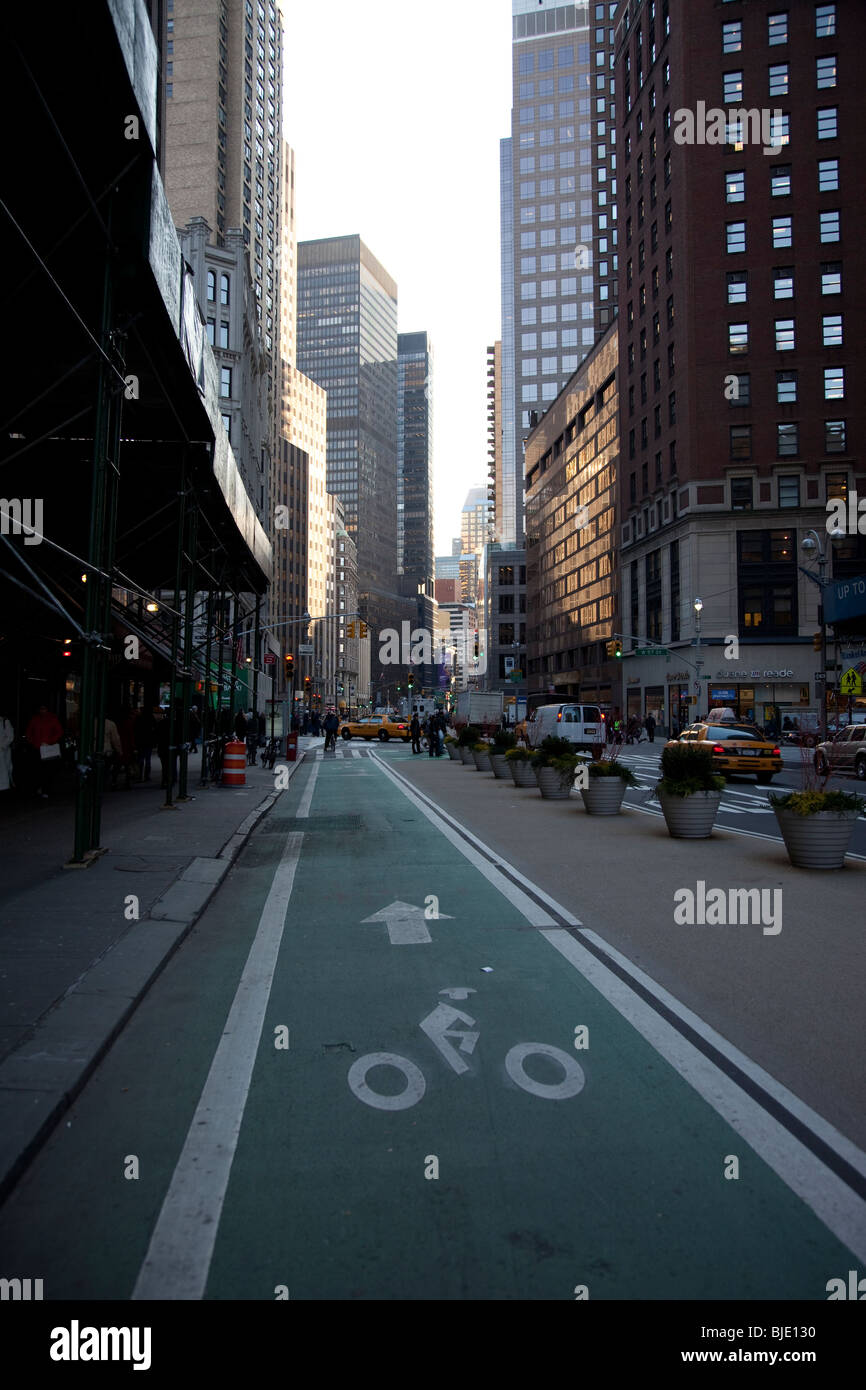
x,y
784,681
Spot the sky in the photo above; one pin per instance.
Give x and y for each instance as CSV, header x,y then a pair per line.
x,y
395,110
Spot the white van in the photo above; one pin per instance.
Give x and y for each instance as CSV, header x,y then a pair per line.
x,y
582,725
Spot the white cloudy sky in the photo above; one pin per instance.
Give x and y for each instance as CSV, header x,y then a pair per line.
x,y
395,109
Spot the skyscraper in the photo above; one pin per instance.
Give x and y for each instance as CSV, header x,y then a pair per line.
x,y
415,464
559,247
347,343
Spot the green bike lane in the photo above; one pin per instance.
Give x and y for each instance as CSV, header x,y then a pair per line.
x,y
619,1187
484,1187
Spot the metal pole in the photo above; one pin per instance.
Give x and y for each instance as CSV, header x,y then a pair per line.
x,y
822,562
207,723
233,686
256,639
192,539
221,639
174,724
100,547
698,666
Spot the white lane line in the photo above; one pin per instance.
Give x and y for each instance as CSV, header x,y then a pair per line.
x,y
303,810
355,753
841,1210
178,1258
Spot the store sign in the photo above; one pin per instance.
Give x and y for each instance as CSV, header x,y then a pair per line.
x,y
678,676
722,693
845,598
754,675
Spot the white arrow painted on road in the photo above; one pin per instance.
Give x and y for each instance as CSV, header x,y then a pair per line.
x,y
458,992
406,923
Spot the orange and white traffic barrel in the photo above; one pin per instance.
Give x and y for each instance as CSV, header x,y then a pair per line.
x,y
234,765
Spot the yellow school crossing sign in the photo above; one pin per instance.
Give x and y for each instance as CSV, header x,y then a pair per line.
x,y
851,682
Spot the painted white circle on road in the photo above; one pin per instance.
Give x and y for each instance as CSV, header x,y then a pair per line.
x,y
572,1083
415,1083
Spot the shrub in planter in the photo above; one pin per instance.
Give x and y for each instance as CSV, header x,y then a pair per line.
x,y
607,781
520,765
468,736
452,748
554,772
481,756
689,791
817,825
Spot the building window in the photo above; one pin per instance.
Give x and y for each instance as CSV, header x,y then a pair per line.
x,y
225,381
738,286
227,426
211,331
826,71
832,330
738,337
779,80
834,383
224,334
836,487
224,289
732,37
777,29
732,88
782,232
786,338
789,490
211,286
834,437
741,450
786,388
787,440
825,21
736,237
829,225
783,282
780,180
735,186
828,175
828,121
831,277
742,391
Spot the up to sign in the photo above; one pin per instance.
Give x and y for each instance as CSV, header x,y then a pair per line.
x,y
845,599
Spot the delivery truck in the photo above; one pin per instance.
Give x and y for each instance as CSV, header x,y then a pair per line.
x,y
483,708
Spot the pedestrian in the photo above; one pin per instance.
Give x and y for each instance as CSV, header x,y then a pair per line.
x,y
194,728
240,726
43,735
7,738
650,726
126,730
415,731
112,748
145,736
315,724
331,725
432,732
442,729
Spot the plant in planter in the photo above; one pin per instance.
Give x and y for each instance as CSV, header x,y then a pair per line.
x,y
481,755
520,765
607,779
689,791
502,741
467,738
554,763
817,825
452,748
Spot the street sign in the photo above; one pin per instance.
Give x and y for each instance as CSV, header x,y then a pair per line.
x,y
270,659
651,651
851,682
305,649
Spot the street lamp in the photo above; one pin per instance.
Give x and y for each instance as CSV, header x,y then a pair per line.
x,y
813,550
699,608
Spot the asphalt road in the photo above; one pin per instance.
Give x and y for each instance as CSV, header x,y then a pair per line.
x,y
387,1064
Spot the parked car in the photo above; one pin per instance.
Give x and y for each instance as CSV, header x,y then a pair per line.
x,y
380,726
582,725
736,748
844,752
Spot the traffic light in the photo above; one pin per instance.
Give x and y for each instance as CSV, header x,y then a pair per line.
x,y
410,680
817,642
617,649
308,684
290,664
350,630
67,647
363,630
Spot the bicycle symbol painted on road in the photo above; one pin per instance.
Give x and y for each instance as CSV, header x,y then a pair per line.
x,y
439,1027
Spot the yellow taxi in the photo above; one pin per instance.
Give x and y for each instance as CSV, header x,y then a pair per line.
x,y
380,726
736,748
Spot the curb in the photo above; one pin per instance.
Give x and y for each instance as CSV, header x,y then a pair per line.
x,y
48,1070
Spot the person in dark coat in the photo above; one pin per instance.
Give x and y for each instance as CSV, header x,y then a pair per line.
x,y
415,731
650,726
240,725
331,725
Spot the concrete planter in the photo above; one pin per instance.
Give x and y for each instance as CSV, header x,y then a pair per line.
x,y
453,752
554,785
499,765
690,817
603,796
522,772
817,842
482,761
467,757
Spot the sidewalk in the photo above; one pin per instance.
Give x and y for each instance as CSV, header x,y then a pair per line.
x,y
77,952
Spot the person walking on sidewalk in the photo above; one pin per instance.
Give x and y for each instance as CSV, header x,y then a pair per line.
x,y
432,735
415,731
43,734
650,726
